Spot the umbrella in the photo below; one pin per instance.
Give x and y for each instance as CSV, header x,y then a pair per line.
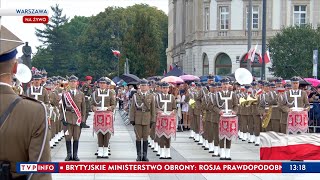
x,y
128,78
172,79
314,82
116,79
112,83
189,78
175,72
205,78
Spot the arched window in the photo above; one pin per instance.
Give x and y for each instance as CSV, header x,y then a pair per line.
x,y
223,64
205,65
255,65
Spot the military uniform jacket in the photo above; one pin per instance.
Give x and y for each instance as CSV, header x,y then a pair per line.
x,y
79,100
245,109
22,134
54,98
286,102
44,97
170,105
276,114
142,109
254,106
212,115
86,89
264,101
196,95
109,101
232,103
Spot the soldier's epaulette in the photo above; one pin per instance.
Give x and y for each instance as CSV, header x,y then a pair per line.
x,y
29,98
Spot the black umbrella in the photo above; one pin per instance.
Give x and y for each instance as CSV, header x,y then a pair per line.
x,y
128,78
116,79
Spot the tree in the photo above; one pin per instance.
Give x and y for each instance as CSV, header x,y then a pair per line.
x,y
293,48
56,41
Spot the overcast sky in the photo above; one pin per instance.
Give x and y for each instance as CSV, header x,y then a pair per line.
x,y
70,7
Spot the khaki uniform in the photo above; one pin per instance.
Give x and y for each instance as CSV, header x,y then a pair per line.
x,y
171,106
44,97
86,89
232,105
110,102
142,116
276,114
71,117
23,133
286,102
205,120
54,102
213,118
153,127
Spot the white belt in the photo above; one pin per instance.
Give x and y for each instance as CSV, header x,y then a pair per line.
x,y
274,106
102,108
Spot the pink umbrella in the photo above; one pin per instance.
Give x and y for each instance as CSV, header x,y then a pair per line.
x,y
172,79
314,82
189,78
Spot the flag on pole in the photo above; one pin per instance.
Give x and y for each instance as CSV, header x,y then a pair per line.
x,y
260,57
253,53
116,53
267,57
170,68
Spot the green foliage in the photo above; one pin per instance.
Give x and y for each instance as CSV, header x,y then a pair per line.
x,y
294,46
83,45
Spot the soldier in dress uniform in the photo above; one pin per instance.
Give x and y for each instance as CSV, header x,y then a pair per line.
x,y
286,102
213,119
204,139
190,95
225,144
244,112
153,127
279,83
264,104
142,116
23,131
275,115
37,91
255,113
44,78
171,107
248,115
74,109
110,104
87,91
197,113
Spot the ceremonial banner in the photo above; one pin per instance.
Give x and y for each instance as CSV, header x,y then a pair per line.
x,y
228,128
103,122
278,146
166,125
74,107
297,122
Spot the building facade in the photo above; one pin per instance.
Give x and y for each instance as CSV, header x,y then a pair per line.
x,y
211,37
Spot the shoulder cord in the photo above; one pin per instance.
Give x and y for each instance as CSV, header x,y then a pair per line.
x,y
220,106
286,98
135,100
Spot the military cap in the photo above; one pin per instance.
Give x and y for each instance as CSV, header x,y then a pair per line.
x,y
279,80
288,85
218,84
73,78
88,78
198,84
265,83
225,80
104,80
204,83
144,82
8,43
247,86
254,83
295,79
37,76
158,83
210,77
165,84
272,85
213,84
48,83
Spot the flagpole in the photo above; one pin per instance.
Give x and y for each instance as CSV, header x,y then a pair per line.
x,y
249,33
264,31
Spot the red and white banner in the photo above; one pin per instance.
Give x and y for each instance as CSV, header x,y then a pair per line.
x,y
103,122
228,128
74,107
166,125
278,146
297,122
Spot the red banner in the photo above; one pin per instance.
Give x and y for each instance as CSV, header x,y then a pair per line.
x,y
74,107
166,125
297,122
103,122
228,128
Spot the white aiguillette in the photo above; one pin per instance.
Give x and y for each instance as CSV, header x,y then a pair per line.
x,y
36,95
165,110
226,112
102,108
295,96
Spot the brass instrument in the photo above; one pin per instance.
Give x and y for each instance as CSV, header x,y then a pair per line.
x,y
266,118
247,102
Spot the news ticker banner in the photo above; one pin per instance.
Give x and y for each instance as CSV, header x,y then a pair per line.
x,y
29,15
168,167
